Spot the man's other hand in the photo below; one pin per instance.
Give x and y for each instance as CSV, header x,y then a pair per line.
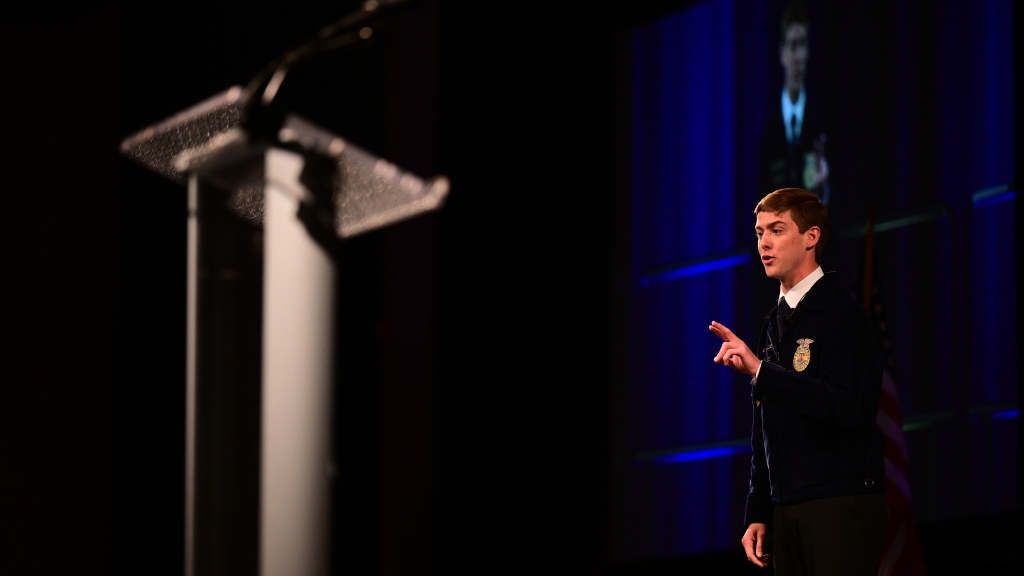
x,y
753,544
734,353
820,166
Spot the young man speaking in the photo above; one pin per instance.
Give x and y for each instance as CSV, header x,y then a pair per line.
x,y
816,476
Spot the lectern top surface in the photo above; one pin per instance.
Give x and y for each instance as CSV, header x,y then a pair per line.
x,y
369,192
156,147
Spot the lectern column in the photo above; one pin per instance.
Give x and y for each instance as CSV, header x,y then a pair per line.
x,y
260,376
298,341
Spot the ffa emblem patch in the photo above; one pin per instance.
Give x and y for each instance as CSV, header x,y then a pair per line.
x,y
803,354
810,170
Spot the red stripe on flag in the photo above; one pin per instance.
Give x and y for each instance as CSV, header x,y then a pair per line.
x,y
902,555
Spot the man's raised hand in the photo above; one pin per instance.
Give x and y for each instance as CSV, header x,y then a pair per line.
x,y
734,353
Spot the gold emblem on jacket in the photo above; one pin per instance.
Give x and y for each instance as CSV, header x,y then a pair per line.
x,y
803,354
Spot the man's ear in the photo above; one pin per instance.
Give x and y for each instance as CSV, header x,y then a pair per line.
x,y
811,237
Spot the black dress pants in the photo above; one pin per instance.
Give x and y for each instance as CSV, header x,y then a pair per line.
x,y
838,536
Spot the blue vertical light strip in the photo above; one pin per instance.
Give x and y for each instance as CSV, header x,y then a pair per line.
x,y
684,208
974,85
998,94
993,263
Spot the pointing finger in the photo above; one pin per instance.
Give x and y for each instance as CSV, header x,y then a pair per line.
x,y
722,330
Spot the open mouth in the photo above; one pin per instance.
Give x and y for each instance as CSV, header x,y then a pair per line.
x,y
766,260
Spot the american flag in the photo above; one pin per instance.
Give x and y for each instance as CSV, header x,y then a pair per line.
x,y
902,554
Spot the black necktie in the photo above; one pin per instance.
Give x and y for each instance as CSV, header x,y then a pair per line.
x,y
793,139
783,318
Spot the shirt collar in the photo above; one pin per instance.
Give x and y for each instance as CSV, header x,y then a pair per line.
x,y
797,293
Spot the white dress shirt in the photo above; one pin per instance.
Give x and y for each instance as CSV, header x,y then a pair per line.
x,y
789,110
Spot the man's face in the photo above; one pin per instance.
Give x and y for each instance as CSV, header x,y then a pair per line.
x,y
793,55
782,247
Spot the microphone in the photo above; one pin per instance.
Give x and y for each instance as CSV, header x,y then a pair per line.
x,y
338,34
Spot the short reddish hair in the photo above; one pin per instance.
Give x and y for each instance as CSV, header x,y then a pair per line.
x,y
805,208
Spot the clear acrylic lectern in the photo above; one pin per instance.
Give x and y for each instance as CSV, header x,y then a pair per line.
x,y
262,215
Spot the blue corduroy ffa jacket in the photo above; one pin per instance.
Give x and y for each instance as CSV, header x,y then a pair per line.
x,y
814,433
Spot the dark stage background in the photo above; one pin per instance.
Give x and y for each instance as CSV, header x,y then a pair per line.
x,y
475,347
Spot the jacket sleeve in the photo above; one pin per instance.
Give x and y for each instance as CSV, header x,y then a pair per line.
x,y
847,379
759,500
759,506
